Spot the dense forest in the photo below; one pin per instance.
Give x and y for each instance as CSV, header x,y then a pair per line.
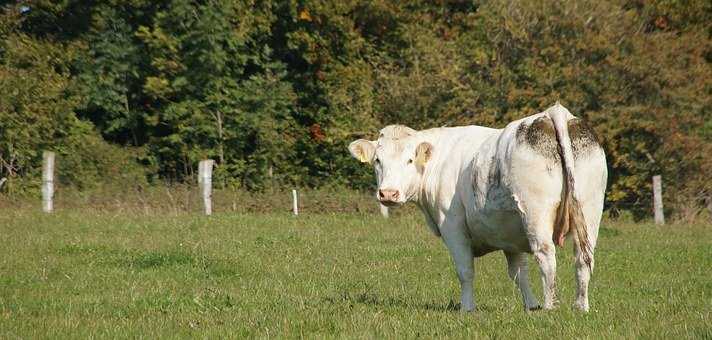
x,y
138,91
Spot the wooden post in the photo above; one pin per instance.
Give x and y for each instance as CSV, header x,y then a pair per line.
x,y
384,210
47,181
205,179
658,200
295,203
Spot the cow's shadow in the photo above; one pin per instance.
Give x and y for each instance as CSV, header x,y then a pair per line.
x,y
372,299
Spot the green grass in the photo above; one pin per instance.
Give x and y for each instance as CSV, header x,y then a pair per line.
x,y
87,274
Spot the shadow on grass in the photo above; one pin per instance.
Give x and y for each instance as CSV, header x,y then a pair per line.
x,y
179,258
148,259
371,299
155,259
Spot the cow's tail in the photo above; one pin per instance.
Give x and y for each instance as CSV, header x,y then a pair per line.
x,y
569,216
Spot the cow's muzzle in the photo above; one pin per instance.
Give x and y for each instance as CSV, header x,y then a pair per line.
x,y
389,197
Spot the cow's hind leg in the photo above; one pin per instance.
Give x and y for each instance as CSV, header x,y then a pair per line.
x,y
545,255
518,271
542,246
592,209
583,275
583,270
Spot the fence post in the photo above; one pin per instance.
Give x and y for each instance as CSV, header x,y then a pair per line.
x,y
384,210
658,200
47,181
205,180
295,203
2,181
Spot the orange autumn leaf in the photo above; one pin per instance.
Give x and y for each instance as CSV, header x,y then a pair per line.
x,y
304,15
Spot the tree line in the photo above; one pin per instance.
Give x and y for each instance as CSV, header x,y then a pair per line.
x,y
139,91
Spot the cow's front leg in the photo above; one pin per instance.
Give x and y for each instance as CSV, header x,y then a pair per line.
x,y
460,247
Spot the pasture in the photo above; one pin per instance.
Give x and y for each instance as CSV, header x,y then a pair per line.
x,y
80,274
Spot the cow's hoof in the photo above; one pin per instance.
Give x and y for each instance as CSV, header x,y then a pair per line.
x,y
534,308
466,310
551,305
581,306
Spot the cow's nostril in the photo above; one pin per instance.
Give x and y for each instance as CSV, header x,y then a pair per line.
x,y
388,195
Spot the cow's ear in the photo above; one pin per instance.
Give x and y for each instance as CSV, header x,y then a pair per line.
x,y
423,153
363,150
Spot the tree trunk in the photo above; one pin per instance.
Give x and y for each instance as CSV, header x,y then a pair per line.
x,y
221,149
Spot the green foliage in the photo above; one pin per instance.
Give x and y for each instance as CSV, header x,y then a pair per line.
x,y
217,92
86,161
37,112
36,105
109,77
283,86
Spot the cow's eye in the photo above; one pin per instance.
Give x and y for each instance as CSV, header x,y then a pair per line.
x,y
410,161
376,161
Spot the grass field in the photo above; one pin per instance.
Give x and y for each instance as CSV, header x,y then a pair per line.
x,y
88,274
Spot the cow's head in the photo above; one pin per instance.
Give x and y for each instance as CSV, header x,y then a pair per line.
x,y
399,158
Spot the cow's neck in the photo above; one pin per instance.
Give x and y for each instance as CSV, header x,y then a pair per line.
x,y
427,198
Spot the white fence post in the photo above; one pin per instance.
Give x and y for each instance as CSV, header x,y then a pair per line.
x,y
205,180
295,203
47,181
658,200
384,210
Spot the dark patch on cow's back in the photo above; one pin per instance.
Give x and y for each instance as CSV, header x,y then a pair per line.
x,y
541,137
583,138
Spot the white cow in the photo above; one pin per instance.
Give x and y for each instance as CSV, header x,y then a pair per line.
x,y
521,189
